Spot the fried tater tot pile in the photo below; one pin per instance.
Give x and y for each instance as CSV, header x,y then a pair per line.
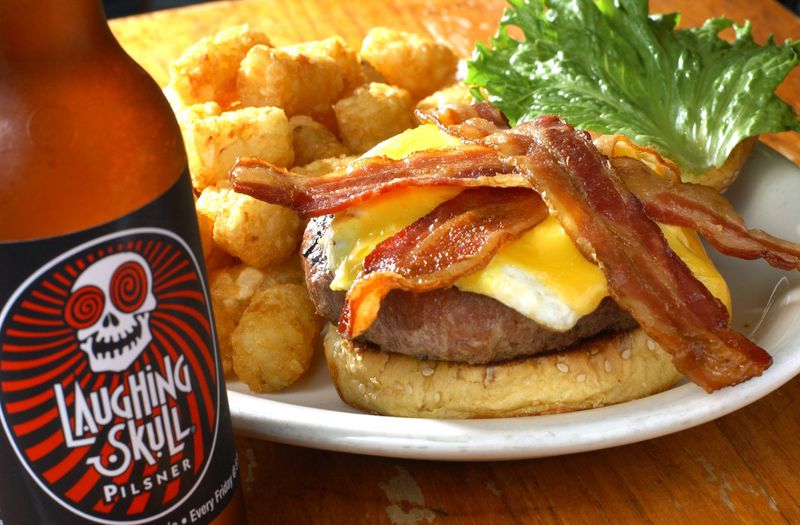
x,y
311,107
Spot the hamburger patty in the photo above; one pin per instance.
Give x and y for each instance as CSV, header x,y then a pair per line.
x,y
449,324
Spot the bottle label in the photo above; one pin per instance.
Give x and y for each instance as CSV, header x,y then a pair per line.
x,y
111,386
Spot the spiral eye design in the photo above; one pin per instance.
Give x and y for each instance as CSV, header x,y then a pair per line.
x,y
84,307
129,287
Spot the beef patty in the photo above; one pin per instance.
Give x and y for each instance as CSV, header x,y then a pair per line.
x,y
449,324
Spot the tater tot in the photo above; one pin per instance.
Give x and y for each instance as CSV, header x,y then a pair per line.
x,y
304,79
256,232
333,50
231,291
289,271
233,287
206,227
213,143
207,206
191,113
371,114
410,61
207,70
219,258
186,116
210,202
455,95
312,141
371,74
327,166
275,339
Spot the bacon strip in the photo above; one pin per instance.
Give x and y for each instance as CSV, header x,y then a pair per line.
x,y
609,225
666,200
471,166
703,209
457,238
616,146
467,122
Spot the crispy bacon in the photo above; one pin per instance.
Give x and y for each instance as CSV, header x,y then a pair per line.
x,y
467,122
616,146
665,199
609,225
703,209
457,238
471,166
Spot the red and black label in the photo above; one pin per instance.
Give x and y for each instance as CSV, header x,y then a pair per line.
x,y
110,385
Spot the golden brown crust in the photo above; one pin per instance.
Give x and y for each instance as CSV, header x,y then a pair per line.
x,y
600,372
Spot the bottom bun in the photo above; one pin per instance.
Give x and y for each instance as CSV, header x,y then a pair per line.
x,y
602,371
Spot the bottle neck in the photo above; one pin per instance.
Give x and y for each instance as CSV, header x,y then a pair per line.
x,y
37,29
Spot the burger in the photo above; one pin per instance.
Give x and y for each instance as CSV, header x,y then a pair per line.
x,y
588,285
555,315
533,332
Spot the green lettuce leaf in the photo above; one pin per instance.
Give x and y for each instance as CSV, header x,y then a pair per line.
x,y
609,67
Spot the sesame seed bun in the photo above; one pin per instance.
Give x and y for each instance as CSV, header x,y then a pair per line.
x,y
600,371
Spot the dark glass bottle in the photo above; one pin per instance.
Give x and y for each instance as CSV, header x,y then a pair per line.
x,y
112,398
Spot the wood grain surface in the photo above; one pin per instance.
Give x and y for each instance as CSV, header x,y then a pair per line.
x,y
742,468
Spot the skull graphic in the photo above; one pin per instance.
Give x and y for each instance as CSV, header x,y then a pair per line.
x,y
110,307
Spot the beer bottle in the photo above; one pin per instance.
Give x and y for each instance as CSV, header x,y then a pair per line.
x,y
112,398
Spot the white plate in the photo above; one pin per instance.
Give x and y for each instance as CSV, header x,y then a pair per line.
x,y
767,308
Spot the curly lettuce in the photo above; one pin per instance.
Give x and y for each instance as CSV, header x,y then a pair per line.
x,y
610,67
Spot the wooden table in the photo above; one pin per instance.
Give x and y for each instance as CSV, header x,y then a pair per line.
x,y
743,468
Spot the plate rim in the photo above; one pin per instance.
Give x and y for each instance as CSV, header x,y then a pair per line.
x,y
351,432
508,438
